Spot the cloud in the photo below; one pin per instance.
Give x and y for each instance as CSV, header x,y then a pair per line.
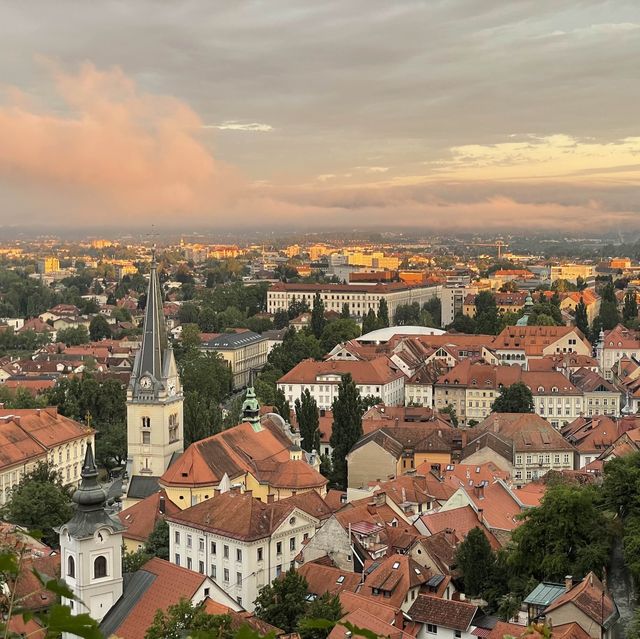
x,y
112,148
239,126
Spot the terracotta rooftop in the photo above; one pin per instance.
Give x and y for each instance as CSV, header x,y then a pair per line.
x,y
528,432
363,619
533,339
379,371
141,518
321,579
456,615
236,515
459,520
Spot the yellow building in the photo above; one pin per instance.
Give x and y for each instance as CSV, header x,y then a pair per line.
x,y
32,435
260,456
244,351
48,265
571,272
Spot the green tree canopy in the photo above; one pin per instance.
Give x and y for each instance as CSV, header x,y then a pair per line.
x,y
318,320
475,561
308,421
383,313
40,502
283,602
184,619
516,398
99,328
338,331
581,319
73,336
567,534
347,427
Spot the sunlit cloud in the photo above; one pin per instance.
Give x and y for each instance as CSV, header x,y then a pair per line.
x,y
232,125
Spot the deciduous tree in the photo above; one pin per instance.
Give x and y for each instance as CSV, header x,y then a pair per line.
x,y
516,398
283,602
308,421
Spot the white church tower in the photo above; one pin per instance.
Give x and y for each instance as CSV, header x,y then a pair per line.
x,y
91,548
154,396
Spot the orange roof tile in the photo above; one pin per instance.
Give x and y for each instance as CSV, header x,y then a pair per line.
x,y
141,518
376,371
321,579
460,520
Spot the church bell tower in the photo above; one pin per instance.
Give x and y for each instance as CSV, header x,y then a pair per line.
x,y
91,548
154,396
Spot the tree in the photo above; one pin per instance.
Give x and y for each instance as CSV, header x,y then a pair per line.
x,y
341,330
568,534
450,410
630,309
383,313
283,603
434,308
133,561
184,619
463,324
188,313
581,319
282,405
542,320
73,336
318,320
370,322
475,561
516,398
487,321
345,313
326,607
280,319
158,542
99,328
608,314
202,417
308,421
347,427
40,502
190,337
111,444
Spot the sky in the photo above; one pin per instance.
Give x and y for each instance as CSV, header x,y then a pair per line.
x,y
441,114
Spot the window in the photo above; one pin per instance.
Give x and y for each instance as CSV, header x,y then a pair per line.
x,y
225,551
146,438
189,563
176,537
201,567
238,554
279,548
71,567
100,567
189,541
207,591
239,579
213,547
226,575
177,561
259,554
278,570
457,634
432,629
146,422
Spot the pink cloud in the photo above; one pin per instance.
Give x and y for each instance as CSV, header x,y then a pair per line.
x,y
133,151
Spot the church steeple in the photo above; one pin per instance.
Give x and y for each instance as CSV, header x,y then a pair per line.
x,y
154,396
251,408
150,358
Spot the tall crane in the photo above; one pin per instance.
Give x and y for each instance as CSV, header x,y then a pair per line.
x,y
499,244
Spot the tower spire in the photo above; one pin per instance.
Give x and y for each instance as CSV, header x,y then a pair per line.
x,y
154,337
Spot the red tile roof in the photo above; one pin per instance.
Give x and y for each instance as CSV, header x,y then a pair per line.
x,y
321,579
141,518
456,615
379,371
459,520
172,583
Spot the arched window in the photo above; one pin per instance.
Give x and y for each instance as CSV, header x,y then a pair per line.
x,y
100,567
71,567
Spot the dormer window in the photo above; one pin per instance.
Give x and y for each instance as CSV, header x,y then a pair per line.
x,y
554,389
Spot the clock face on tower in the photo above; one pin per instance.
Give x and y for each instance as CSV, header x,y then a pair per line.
x,y
146,383
171,387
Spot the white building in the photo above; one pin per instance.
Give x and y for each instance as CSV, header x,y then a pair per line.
x,y
361,298
452,298
615,344
242,543
377,378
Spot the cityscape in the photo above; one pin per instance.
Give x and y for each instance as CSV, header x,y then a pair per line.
x,y
318,321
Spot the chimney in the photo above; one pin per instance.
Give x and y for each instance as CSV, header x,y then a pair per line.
x,y
380,498
399,620
481,515
294,493
162,505
371,507
568,583
216,492
478,490
1,404
271,498
248,493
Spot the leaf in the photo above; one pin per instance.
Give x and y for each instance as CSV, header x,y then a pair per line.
x,y
245,632
8,563
59,619
316,624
